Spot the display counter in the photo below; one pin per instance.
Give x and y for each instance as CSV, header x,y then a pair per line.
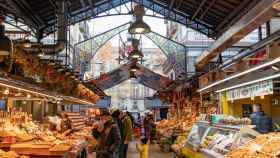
x,y
215,140
264,146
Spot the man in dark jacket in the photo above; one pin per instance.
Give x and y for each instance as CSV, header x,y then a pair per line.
x,y
116,114
108,136
262,122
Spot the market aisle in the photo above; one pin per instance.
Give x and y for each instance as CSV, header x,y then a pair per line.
x,y
154,152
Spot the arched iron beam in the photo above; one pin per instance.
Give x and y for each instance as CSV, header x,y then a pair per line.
x,y
105,37
169,47
166,45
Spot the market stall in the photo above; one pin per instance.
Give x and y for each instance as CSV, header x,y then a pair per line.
x,y
23,136
170,130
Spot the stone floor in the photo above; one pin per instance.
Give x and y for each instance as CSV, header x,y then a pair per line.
x,y
154,152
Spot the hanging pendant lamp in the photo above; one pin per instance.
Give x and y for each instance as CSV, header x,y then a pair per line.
x,y
136,54
134,68
132,75
139,26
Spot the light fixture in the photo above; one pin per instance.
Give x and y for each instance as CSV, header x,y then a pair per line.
x,y
73,76
132,74
5,42
24,102
26,44
276,5
249,83
262,96
41,55
241,73
6,91
139,26
28,96
276,68
51,62
18,94
135,54
252,97
134,68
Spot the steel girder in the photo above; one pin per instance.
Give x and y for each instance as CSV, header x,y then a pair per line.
x,y
25,29
103,9
176,16
114,7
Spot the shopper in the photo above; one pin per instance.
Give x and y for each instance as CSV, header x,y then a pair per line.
x,y
116,114
128,130
131,118
143,148
108,136
148,124
262,122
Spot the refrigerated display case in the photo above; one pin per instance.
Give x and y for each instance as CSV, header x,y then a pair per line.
x,y
215,140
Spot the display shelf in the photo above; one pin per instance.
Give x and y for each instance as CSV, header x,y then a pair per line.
x,y
215,140
77,121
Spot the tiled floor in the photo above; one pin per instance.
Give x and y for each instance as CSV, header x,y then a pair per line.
x,y
154,152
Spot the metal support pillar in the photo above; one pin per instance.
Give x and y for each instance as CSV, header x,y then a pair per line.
x,y
260,37
268,31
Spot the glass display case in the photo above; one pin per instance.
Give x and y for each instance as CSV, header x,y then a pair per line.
x,y
215,140
196,135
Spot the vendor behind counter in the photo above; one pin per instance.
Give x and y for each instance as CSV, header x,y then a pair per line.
x,y
261,120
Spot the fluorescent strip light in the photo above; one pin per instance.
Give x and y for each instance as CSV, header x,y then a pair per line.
x,y
242,73
275,68
29,91
249,83
79,100
86,102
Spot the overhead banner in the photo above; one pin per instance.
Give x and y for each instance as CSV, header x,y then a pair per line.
x,y
258,89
